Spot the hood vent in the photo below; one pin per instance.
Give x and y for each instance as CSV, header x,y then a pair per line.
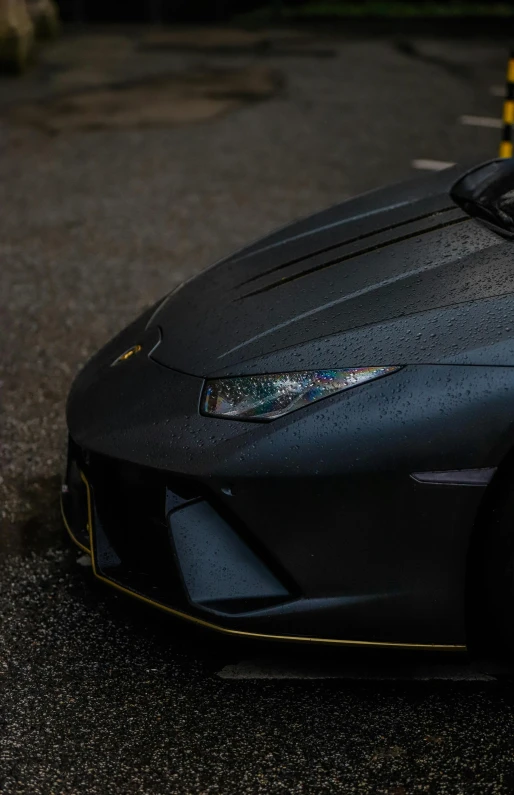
x,y
446,220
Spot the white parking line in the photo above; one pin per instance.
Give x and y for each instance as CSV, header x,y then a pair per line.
x,y
482,121
431,165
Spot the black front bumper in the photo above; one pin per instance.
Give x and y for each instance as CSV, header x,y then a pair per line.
x,y
161,537
310,526
166,540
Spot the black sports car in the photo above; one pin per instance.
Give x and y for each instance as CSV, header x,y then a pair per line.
x,y
313,439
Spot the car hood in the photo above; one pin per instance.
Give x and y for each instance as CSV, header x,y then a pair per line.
x,y
397,276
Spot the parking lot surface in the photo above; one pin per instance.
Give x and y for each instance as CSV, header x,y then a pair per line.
x,y
99,219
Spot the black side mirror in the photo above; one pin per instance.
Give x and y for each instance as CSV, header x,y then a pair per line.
x,y
487,194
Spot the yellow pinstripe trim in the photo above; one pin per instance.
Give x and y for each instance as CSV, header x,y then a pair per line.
x,y
508,111
241,633
510,71
70,533
505,149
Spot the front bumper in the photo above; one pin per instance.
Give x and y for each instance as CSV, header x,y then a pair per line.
x,y
315,512
166,541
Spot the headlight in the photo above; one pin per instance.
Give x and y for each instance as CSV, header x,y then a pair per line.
x,y
265,397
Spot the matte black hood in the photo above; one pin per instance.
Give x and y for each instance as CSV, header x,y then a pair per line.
x,y
397,276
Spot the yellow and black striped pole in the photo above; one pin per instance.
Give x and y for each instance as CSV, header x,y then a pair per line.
x,y
508,111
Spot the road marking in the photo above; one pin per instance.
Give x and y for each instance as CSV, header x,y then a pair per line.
x,y
431,165
497,91
482,121
279,669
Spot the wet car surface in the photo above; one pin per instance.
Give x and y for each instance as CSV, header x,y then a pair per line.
x,y
97,696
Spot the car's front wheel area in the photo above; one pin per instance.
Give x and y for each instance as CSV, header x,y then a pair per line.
x,y
490,580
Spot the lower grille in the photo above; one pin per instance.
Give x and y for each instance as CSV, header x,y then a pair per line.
x,y
159,535
132,544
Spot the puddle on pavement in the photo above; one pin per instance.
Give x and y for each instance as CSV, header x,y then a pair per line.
x,y
192,96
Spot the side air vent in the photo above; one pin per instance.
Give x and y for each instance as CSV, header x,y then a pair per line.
x,y
220,571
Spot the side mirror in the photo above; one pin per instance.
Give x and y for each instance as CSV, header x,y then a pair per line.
x,y
487,194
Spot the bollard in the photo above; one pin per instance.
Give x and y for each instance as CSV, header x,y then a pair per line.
x,y
508,111
16,36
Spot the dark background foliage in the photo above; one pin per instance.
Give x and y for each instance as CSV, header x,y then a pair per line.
x,y
186,11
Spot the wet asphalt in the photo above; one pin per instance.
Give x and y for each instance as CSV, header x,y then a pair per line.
x,y
99,695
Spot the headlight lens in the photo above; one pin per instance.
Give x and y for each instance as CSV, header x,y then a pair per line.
x,y
265,397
